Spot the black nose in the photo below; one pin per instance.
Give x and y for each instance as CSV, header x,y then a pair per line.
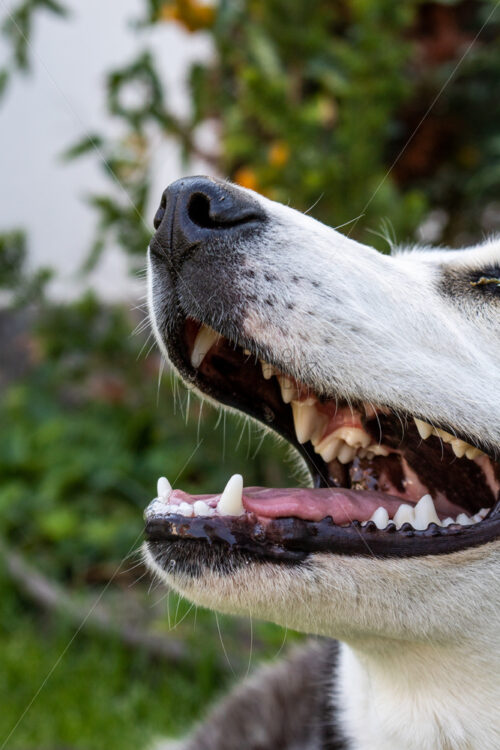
x,y
193,208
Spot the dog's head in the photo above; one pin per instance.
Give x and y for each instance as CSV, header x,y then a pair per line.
x,y
382,371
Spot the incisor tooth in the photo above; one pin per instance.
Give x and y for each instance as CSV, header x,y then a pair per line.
x,y
205,339
304,417
404,514
231,503
163,487
380,518
202,509
424,429
425,513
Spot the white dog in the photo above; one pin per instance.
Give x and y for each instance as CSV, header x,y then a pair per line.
x,y
384,373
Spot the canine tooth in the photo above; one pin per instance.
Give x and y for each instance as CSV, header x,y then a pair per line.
x,y
164,488
267,370
202,509
380,518
288,390
464,520
404,514
424,428
472,452
459,448
304,417
231,503
425,513
184,509
205,339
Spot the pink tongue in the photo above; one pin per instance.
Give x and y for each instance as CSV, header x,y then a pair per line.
x,y
342,505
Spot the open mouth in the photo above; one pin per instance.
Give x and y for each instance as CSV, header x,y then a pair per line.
x,y
384,483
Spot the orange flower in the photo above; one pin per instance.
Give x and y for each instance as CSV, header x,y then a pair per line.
x,y
192,14
279,154
246,177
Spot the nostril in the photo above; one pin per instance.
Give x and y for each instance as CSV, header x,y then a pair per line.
x,y
158,217
161,211
199,212
214,212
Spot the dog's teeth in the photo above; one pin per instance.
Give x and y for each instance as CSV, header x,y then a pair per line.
x,y
483,512
304,417
346,453
380,518
459,448
472,452
477,518
164,488
288,389
377,450
328,448
231,500
425,513
353,436
424,429
404,514
184,509
464,520
445,436
267,370
205,339
201,508
447,521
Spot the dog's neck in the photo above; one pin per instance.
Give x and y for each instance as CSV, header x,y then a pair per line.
x,y
425,696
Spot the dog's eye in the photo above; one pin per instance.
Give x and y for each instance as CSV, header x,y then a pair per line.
x,y
485,280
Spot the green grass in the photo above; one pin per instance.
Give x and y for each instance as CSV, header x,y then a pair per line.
x,y
97,693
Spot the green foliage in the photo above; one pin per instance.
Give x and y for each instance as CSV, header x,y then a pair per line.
x,y
24,288
17,30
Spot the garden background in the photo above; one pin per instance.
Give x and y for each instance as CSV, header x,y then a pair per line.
x,y
377,117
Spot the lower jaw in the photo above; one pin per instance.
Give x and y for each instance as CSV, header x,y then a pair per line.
x,y
293,539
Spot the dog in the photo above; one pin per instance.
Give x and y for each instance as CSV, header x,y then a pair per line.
x,y
383,372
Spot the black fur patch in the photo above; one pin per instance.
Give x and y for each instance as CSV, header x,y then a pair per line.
x,y
479,284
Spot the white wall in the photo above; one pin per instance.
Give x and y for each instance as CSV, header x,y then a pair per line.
x,y
61,101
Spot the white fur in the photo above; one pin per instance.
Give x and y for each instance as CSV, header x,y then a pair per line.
x,y
420,664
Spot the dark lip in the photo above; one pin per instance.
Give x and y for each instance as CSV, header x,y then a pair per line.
x,y
292,539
